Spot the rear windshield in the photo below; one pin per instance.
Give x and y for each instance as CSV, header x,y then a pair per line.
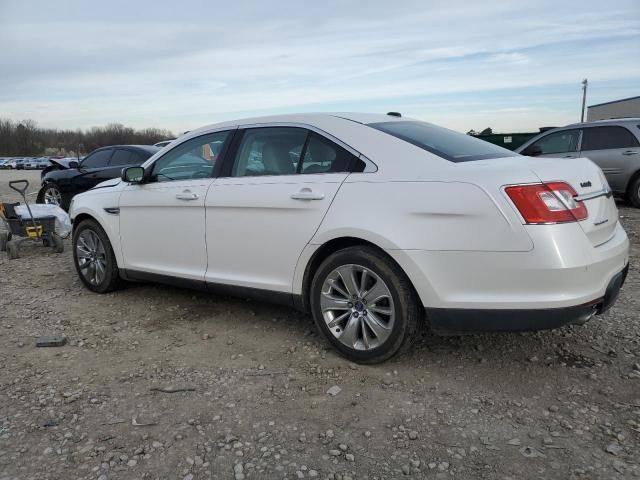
x,y
450,145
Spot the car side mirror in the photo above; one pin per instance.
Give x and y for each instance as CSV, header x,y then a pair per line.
x,y
533,151
133,174
73,164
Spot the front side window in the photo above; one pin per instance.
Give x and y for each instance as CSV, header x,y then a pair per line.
x,y
604,138
558,142
97,159
194,158
445,143
269,151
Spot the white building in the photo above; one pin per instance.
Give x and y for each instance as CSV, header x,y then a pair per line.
x,y
625,108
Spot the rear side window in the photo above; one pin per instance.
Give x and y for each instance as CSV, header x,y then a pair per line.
x,y
137,158
120,157
445,143
269,151
604,138
97,159
324,156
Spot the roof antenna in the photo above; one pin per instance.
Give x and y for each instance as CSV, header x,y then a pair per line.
x,y
394,114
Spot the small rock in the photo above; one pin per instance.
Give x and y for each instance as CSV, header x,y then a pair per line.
x,y
613,449
514,441
406,469
333,391
413,435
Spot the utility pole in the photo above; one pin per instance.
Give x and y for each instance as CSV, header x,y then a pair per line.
x,y
584,97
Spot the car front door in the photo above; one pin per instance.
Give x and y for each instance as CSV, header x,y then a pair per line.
x,y
613,148
162,221
90,170
267,204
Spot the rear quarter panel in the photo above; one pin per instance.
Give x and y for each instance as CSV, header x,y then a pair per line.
x,y
428,215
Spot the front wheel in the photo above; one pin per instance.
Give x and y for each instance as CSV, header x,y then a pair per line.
x,y
364,304
94,259
50,194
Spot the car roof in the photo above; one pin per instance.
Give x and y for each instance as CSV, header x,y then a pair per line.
x,y
309,118
608,121
150,149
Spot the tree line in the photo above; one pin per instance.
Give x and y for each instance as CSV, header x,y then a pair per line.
x,y
26,139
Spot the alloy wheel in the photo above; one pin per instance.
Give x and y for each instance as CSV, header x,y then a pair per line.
x,y
92,258
357,307
52,196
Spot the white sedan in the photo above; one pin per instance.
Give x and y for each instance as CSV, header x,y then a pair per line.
x,y
373,223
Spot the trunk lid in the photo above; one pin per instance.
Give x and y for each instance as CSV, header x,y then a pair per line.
x,y
589,182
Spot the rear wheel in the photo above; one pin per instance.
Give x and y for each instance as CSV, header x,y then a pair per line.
x,y
94,259
364,304
57,243
634,193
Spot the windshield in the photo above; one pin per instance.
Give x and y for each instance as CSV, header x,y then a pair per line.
x,y
445,143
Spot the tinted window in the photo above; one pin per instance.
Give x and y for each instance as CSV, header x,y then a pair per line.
x,y
138,157
269,151
120,157
97,159
558,142
603,138
194,158
323,156
450,145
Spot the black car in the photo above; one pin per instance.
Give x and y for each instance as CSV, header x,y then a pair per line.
x,y
60,185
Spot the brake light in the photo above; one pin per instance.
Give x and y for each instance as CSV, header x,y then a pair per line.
x,y
547,203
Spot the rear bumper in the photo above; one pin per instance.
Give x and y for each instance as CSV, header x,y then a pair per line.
x,y
446,321
563,270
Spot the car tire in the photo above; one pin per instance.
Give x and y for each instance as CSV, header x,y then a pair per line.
x,y
94,259
383,312
13,250
57,243
4,238
633,194
50,193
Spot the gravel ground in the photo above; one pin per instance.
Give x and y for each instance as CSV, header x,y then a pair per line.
x,y
162,383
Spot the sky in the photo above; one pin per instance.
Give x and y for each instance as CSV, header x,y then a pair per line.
x,y
513,66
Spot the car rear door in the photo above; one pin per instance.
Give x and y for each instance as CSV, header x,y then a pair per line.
x,y
162,221
271,198
611,147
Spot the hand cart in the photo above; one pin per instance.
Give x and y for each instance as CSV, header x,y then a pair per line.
x,y
36,229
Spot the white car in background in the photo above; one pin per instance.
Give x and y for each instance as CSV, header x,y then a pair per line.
x,y
373,223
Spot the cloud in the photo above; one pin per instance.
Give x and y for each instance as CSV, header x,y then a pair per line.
x,y
77,64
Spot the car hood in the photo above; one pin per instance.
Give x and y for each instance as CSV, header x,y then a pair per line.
x,y
61,162
112,182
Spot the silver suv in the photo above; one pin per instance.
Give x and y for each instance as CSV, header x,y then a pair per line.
x,y
614,145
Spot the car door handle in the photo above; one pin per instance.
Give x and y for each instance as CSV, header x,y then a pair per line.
x,y
307,194
187,195
630,152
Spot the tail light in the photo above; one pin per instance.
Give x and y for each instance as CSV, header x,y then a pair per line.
x,y
547,203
